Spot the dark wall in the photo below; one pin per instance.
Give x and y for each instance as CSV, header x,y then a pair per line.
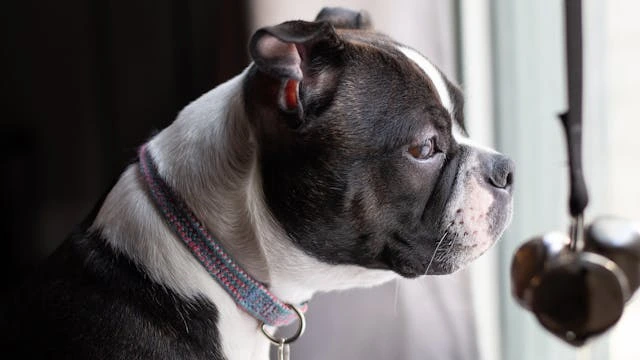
x,y
83,84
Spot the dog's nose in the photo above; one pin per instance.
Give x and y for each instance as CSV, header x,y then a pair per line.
x,y
501,173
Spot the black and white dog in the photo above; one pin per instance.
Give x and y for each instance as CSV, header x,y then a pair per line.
x,y
337,159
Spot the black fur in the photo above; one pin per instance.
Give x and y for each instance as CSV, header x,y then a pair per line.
x,y
345,18
89,302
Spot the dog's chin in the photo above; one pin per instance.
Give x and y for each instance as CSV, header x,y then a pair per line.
x,y
408,267
448,258
453,264
458,256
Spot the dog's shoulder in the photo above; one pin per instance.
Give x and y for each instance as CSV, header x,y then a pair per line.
x,y
89,301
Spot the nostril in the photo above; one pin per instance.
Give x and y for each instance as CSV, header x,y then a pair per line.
x,y
502,174
510,179
498,181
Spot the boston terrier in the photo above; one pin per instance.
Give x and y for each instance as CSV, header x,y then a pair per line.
x,y
338,158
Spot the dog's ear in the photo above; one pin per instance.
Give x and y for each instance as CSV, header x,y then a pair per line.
x,y
342,18
299,55
286,50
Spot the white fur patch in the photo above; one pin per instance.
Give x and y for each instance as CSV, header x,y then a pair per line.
x,y
472,222
131,224
469,218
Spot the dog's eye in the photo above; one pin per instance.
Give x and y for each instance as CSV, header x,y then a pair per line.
x,y
423,151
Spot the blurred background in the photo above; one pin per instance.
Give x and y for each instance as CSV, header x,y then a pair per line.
x,y
85,82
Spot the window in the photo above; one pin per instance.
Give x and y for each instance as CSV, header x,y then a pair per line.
x,y
529,92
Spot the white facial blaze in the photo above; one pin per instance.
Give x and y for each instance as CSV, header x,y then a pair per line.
x,y
434,74
445,96
462,139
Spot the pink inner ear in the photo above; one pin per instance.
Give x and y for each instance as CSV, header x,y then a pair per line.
x,y
291,94
286,54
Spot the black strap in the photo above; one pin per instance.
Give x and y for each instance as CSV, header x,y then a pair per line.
x,y
572,119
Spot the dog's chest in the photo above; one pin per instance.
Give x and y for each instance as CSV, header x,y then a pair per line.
x,y
240,336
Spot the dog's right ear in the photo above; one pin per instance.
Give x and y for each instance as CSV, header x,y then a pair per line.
x,y
286,50
342,18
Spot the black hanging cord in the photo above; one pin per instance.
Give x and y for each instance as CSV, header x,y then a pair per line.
x,y
572,119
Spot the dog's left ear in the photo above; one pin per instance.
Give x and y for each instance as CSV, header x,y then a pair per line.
x,y
299,55
287,50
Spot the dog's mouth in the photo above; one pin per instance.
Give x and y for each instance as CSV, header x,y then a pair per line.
x,y
470,229
422,255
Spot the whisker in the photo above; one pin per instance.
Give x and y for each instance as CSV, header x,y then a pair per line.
x,y
450,245
395,297
446,232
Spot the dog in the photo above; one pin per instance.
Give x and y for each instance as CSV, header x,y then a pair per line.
x,y
337,159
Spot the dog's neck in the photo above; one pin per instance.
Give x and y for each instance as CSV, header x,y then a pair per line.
x,y
208,156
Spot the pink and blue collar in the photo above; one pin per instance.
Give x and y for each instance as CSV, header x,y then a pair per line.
x,y
251,295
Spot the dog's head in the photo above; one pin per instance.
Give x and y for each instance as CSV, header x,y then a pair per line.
x,y
363,153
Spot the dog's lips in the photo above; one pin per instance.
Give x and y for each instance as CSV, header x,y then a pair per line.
x,y
454,247
473,225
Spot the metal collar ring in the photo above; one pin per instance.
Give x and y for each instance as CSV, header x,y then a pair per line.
x,y
282,341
